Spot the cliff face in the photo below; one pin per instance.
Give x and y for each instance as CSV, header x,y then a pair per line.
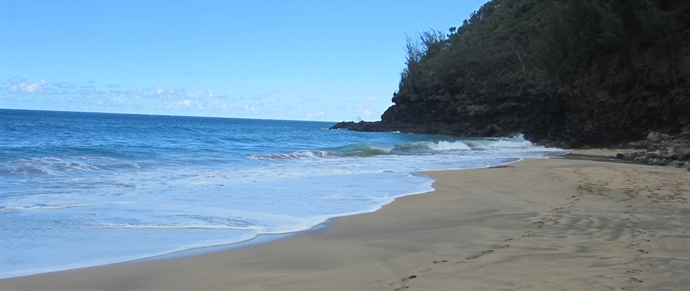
x,y
536,115
565,73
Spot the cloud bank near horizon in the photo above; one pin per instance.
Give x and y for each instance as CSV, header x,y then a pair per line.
x,y
20,93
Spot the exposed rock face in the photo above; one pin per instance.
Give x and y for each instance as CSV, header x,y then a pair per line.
x,y
537,119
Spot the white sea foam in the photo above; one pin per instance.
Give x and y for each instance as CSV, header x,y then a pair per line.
x,y
177,226
455,145
134,187
42,207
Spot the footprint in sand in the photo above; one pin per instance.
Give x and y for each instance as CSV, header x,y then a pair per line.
x,y
405,281
479,255
539,224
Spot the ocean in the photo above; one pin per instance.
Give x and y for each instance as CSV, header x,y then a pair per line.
x,y
87,189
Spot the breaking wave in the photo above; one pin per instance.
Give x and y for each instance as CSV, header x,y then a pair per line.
x,y
370,150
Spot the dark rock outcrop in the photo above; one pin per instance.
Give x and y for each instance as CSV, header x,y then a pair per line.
x,y
539,119
659,150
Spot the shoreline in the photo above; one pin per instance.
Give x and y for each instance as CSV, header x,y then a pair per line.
x,y
401,240
259,239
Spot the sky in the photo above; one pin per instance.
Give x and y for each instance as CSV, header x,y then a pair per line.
x,y
289,60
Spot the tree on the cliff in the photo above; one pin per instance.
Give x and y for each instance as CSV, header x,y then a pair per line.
x,y
510,53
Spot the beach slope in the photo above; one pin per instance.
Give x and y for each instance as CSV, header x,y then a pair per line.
x,y
539,224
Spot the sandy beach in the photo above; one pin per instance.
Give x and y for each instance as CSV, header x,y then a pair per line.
x,y
539,224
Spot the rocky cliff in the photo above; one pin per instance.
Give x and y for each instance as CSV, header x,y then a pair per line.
x,y
565,73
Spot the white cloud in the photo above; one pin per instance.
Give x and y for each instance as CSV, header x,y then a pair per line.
x,y
158,100
23,88
33,87
371,98
194,94
17,80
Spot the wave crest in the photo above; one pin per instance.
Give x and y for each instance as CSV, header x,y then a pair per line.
x,y
60,165
370,150
175,226
41,207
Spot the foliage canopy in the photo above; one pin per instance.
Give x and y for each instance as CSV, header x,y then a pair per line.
x,y
509,46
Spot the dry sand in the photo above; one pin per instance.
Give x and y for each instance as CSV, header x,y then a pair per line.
x,y
559,224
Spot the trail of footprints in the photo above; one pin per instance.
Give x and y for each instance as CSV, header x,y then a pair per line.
x,y
584,187
403,284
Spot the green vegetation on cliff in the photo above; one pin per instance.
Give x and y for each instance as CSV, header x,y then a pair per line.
x,y
576,71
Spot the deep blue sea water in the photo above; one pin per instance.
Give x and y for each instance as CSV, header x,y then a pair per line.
x,y
85,189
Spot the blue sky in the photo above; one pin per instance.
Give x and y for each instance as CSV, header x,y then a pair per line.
x,y
296,60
